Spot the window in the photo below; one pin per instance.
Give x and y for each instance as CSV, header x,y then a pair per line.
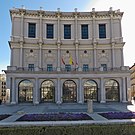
x,y
68,67
104,67
67,31
85,67
49,67
102,31
32,30
31,67
49,31
84,30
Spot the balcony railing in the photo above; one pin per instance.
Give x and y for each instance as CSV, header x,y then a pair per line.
x,y
63,70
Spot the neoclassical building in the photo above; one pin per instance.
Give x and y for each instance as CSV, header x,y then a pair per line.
x,y
61,57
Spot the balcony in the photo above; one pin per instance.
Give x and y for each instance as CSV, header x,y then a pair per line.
x,y
64,70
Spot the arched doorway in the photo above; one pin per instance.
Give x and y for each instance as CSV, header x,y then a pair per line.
x,y
47,91
69,91
25,91
90,90
112,90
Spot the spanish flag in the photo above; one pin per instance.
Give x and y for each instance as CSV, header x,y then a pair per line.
x,y
71,60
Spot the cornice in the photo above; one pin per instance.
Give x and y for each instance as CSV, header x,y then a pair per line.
x,y
56,14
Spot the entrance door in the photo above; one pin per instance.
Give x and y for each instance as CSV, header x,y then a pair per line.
x,y
47,91
69,91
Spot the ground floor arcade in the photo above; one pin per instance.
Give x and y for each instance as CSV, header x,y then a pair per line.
x,y
64,89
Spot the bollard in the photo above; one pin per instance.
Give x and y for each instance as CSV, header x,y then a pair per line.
x,y
90,106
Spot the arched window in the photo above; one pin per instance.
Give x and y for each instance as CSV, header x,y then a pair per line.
x,y
69,91
47,91
112,90
25,91
90,90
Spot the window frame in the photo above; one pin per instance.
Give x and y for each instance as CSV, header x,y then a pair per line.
x,y
49,67
84,31
85,67
67,31
31,30
68,67
102,30
31,67
49,31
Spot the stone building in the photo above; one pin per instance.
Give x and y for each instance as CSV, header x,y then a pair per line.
x,y
132,68
62,57
3,87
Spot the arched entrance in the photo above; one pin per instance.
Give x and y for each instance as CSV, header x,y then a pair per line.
x,y
25,91
69,91
90,90
47,91
112,90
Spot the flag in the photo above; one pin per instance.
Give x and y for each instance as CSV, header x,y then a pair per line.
x,y
63,61
71,60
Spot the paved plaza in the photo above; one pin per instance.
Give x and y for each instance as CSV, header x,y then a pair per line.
x,y
18,110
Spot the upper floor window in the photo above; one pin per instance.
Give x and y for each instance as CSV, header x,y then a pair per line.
x,y
49,31
104,67
85,67
67,31
32,30
68,67
102,31
49,67
31,67
84,31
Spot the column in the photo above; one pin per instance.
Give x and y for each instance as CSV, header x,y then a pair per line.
x,y
124,91
113,56
22,26
13,91
93,26
122,57
77,56
95,56
58,57
21,53
40,27
58,26
36,92
40,55
11,57
12,32
58,92
102,91
80,92
128,88
76,30
58,41
111,27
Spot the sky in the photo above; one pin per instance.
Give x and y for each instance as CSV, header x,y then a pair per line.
x,y
125,6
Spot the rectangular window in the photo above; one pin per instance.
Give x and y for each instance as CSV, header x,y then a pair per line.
x,y
32,30
67,31
85,67
102,31
49,31
49,67
68,67
104,67
84,31
31,67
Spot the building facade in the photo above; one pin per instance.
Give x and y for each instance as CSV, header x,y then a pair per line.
x,y
132,68
3,87
62,57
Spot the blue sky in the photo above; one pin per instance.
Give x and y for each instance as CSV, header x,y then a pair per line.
x,y
67,5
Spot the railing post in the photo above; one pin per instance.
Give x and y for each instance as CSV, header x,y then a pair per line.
x,y
90,106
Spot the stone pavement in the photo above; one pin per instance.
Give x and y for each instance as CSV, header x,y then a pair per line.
x,y
17,111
